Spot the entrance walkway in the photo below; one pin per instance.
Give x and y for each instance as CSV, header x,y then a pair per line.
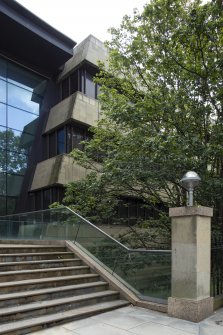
x,y
138,321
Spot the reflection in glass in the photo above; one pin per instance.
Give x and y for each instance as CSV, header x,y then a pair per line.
x,y
14,184
26,79
2,114
2,138
2,183
21,94
2,91
26,141
11,204
18,119
21,98
18,141
90,86
16,162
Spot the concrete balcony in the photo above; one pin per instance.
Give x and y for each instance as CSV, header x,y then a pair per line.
x,y
77,107
90,50
58,170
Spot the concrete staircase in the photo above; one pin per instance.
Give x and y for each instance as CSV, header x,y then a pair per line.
x,y
46,285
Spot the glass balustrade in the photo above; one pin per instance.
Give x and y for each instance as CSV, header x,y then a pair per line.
x,y
146,272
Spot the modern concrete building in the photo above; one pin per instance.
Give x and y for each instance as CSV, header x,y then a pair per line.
x,y
48,100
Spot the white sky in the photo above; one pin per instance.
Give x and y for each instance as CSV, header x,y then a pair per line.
x,y
79,18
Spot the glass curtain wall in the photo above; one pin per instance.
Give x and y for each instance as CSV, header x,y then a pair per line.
x,y
21,93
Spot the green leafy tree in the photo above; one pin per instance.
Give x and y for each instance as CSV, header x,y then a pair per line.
x,y
162,96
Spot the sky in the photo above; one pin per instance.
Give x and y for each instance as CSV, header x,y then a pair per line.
x,y
79,18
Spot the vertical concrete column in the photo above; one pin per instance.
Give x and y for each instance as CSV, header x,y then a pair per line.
x,y
191,259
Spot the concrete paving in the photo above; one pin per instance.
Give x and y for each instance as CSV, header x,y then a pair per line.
x,y
138,321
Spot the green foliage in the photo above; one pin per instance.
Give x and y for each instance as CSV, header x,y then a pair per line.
x,y
162,100
56,205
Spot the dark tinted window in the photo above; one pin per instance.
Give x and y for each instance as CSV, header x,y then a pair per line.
x,y
60,141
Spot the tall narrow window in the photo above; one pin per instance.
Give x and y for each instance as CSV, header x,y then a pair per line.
x,y
60,141
52,144
74,82
90,86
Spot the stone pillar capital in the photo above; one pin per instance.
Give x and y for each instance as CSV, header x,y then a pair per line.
x,y
189,211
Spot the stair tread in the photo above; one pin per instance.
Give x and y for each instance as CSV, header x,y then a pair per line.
x,y
30,246
48,261
54,302
48,253
78,267
48,279
25,294
77,312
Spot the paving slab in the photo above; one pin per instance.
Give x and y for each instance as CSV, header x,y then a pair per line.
x,y
133,320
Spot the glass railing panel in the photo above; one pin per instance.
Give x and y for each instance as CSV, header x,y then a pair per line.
x,y
102,247
148,272
5,229
58,223
62,226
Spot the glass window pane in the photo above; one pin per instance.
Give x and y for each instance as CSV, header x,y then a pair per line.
x,y
74,82
18,119
46,198
2,184
14,184
3,115
60,141
16,162
38,200
11,204
18,141
23,78
3,160
25,142
3,69
98,92
2,138
69,139
2,205
90,86
21,98
52,144
78,136
2,91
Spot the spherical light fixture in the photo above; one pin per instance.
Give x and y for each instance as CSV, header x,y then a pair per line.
x,y
189,181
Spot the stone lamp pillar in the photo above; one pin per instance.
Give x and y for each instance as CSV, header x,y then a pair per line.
x,y
191,258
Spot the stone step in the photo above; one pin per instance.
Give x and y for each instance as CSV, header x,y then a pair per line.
x,y
42,264
35,309
32,284
30,325
24,297
43,273
19,248
13,257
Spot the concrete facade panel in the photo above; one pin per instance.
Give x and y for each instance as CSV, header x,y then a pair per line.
x,y
57,170
76,107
